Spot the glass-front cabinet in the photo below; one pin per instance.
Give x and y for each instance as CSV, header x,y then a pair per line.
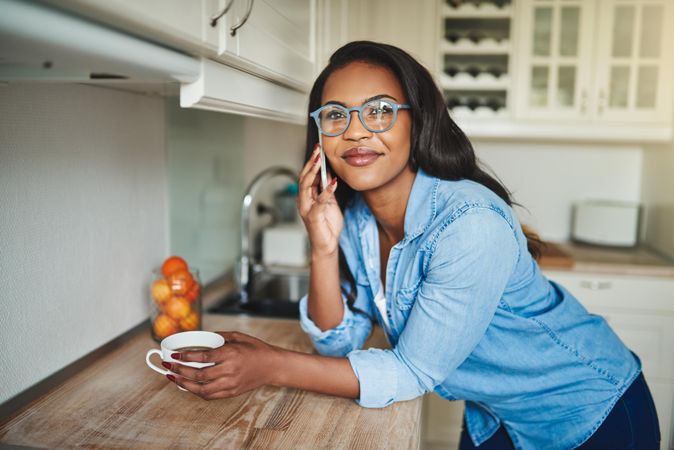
x,y
595,59
555,58
634,60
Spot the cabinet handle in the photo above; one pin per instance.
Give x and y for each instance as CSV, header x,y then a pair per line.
x,y
244,19
602,100
214,19
595,285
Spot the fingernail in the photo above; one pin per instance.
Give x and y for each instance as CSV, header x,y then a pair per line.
x,y
317,158
176,356
171,378
165,364
334,180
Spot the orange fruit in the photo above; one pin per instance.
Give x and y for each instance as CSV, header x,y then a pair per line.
x,y
161,291
192,295
180,281
171,264
191,322
164,326
177,308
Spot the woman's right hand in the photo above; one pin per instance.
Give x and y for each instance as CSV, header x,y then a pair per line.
x,y
320,212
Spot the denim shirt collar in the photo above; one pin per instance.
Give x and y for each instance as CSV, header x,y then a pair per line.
x,y
419,213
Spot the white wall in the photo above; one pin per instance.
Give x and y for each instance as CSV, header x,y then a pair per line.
x,y
206,183
212,158
269,143
548,178
83,218
658,197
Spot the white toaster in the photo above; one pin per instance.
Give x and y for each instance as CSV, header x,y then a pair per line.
x,y
285,244
606,222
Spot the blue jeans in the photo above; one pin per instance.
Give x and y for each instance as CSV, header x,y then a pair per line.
x,y
632,424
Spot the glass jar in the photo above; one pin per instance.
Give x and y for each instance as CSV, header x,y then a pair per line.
x,y
175,302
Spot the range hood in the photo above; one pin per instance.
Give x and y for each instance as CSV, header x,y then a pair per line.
x,y
41,43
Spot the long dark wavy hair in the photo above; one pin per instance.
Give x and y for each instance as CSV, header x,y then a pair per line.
x,y
438,146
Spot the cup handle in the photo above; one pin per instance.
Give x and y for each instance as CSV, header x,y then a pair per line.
x,y
152,366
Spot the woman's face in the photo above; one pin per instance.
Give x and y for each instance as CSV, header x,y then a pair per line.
x,y
381,156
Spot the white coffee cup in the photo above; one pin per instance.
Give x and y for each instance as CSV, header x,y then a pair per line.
x,y
182,340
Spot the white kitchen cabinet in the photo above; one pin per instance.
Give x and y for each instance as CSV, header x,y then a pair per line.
x,y
274,39
228,89
474,59
634,63
555,64
601,62
334,30
641,311
265,68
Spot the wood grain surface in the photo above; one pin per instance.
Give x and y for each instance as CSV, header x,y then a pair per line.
x,y
119,402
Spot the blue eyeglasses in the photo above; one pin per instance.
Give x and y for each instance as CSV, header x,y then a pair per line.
x,y
376,116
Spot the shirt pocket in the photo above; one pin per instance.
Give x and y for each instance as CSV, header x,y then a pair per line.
x,y
411,277
407,296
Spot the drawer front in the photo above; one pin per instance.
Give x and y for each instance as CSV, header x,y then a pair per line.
x,y
650,337
635,293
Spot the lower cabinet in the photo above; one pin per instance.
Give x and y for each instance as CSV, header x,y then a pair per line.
x,y
441,420
639,309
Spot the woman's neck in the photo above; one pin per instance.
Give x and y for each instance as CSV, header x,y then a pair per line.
x,y
389,202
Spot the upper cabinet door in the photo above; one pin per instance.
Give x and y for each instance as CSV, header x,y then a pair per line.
x,y
554,76
634,75
275,39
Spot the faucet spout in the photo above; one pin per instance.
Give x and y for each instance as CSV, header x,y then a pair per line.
x,y
246,258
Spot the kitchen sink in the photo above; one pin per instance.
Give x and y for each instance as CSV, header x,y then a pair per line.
x,y
274,292
263,290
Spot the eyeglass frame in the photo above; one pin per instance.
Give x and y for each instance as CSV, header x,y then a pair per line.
x,y
396,106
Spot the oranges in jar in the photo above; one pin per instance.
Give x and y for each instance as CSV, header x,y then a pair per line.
x,y
175,298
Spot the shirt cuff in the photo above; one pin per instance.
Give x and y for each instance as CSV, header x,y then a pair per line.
x,y
376,373
316,333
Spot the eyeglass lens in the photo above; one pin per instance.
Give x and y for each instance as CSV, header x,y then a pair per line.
x,y
376,115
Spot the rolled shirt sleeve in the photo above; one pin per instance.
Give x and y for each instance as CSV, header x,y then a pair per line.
x,y
351,333
472,260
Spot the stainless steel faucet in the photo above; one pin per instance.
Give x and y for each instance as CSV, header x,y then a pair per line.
x,y
246,254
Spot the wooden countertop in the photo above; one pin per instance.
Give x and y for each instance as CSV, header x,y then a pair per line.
x,y
117,401
572,256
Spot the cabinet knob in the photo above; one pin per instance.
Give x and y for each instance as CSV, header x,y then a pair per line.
x,y
244,19
602,101
595,285
214,19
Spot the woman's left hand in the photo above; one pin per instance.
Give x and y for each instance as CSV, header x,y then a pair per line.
x,y
241,364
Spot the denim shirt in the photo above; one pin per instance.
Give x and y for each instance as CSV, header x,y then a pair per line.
x,y
471,317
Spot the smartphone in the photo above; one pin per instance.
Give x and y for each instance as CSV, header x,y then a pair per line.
x,y
324,175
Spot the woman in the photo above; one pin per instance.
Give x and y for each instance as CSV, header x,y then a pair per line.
x,y
412,234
